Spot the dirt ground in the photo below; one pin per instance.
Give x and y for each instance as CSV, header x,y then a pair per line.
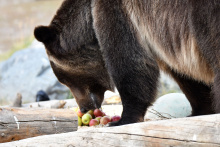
x,y
19,17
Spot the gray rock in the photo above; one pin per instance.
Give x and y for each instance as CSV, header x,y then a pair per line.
x,y
28,71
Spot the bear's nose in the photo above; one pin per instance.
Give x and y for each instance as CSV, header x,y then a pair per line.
x,y
83,110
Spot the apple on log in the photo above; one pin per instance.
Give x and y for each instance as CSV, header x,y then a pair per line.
x,y
94,117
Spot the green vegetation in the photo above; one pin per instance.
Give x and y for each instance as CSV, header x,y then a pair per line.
x,y
22,44
164,89
70,96
3,102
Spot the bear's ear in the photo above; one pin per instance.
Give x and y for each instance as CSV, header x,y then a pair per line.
x,y
44,34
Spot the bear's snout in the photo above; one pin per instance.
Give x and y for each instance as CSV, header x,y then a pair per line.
x,y
90,102
83,110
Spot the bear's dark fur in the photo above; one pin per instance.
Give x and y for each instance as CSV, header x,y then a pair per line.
x,y
93,44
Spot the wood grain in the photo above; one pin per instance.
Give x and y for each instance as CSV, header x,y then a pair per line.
x,y
201,131
20,123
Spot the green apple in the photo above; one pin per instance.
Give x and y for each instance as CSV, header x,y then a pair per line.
x,y
79,121
91,113
86,118
75,109
98,118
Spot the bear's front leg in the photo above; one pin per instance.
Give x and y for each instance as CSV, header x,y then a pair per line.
x,y
131,66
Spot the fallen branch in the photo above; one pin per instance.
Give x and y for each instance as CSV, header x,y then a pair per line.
x,y
202,131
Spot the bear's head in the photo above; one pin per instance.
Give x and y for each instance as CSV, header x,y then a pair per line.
x,y
74,53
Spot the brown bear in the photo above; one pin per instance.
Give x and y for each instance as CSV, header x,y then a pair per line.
x,y
94,45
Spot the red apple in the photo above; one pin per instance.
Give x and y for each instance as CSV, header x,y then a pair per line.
x,y
115,118
98,118
98,112
93,122
86,118
104,120
79,113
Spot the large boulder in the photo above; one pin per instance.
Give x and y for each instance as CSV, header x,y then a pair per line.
x,y
28,71
172,105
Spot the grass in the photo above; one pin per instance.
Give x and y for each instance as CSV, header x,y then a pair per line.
x,y
3,102
19,45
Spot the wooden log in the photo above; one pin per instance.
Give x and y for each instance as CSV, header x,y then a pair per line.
x,y
201,131
56,104
19,123
53,104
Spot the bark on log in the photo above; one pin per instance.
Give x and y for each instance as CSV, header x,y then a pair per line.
x,y
201,131
19,123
